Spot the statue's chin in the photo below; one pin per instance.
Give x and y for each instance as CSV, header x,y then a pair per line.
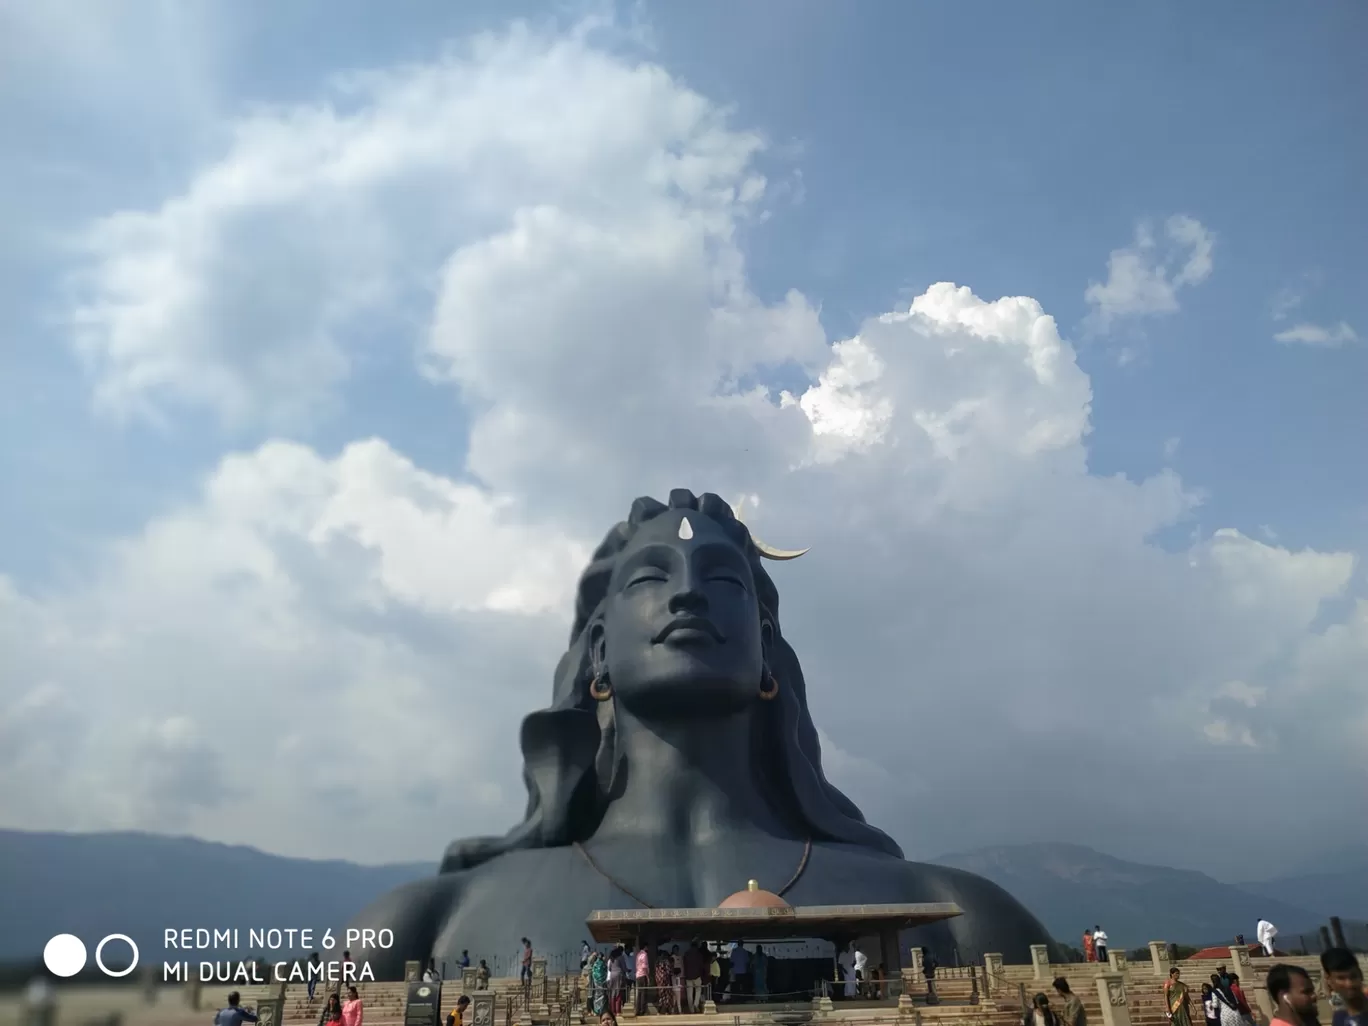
x,y
686,699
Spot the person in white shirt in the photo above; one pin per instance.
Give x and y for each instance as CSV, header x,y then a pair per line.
x,y
1100,943
861,964
1266,932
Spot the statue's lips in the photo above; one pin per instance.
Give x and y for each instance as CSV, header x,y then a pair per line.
x,y
690,630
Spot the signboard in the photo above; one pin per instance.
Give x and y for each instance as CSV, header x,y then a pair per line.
x,y
423,1005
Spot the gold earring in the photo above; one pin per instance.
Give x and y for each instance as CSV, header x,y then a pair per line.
x,y
600,692
772,693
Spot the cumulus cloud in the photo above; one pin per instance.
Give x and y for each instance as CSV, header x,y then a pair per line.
x,y
980,615
1144,278
1318,335
308,635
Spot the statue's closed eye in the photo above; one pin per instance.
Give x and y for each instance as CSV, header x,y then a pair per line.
x,y
728,579
648,575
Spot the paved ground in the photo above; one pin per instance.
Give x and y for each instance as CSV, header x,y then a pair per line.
x,y
77,1005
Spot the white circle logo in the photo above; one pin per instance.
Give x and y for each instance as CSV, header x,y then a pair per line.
x,y
99,949
64,955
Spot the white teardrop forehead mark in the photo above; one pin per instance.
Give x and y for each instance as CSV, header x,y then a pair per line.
x,y
685,529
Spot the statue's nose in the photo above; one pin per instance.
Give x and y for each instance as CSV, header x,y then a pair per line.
x,y
689,598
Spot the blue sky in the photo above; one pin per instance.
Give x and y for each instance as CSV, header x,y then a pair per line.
x,y
1013,149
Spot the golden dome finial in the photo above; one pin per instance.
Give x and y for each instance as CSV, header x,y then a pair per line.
x,y
752,885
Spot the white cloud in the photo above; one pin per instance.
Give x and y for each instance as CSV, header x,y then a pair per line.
x,y
354,624
1144,278
1318,335
549,157
979,612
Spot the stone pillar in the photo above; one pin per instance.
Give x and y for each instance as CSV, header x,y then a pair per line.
x,y
412,970
271,1011
468,980
1337,932
917,968
992,973
482,1008
1243,967
537,999
1116,959
1111,990
1159,958
824,1003
1040,961
910,982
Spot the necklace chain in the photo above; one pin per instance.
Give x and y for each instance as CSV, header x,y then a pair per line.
x,y
802,866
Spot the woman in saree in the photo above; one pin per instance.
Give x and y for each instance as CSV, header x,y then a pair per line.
x,y
598,983
664,983
1176,996
1089,947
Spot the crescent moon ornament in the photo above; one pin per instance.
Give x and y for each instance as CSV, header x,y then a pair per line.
x,y
766,551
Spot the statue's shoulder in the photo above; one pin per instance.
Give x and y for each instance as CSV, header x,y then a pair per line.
x,y
947,884
991,919
414,913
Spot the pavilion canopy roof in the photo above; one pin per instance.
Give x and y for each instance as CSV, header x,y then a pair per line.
x,y
613,925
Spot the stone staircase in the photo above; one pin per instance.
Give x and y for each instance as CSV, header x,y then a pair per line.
x,y
999,1004
382,1004
1144,986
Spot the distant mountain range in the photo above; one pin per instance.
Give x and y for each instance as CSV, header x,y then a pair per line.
x,y
139,884
1071,888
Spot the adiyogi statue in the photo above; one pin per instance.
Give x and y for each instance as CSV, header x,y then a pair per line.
x,y
676,761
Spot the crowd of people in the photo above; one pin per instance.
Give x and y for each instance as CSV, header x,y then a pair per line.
x,y
1291,993
677,980
683,980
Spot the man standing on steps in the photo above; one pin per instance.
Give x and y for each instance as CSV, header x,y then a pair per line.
x,y
1074,1014
526,973
1266,932
643,978
695,964
1100,943
1293,994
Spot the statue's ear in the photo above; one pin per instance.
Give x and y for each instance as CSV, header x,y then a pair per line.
x,y
598,647
606,759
